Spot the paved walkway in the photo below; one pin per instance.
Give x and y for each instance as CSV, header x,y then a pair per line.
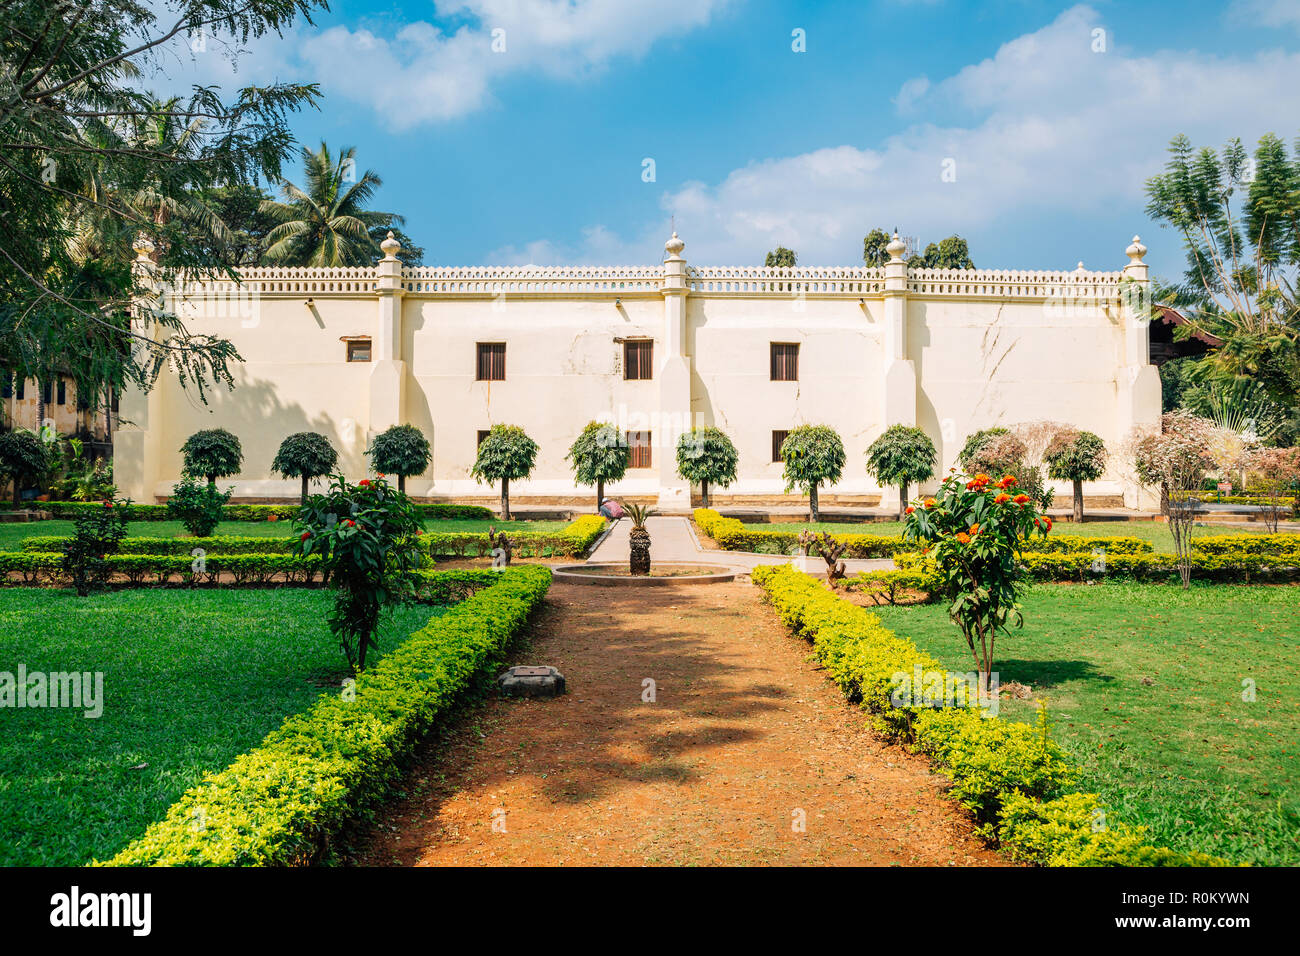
x,y
672,540
740,751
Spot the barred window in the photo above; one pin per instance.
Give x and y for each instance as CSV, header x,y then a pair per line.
x,y
358,350
785,362
638,359
491,362
638,450
778,439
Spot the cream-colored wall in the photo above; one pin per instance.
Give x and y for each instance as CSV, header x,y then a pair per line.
x,y
967,350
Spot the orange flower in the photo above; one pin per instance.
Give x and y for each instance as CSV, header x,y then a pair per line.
x,y
1008,481
963,538
982,478
1021,499
910,509
1049,523
930,502
1002,498
974,529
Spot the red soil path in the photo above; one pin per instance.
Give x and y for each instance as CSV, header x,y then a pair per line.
x,y
745,732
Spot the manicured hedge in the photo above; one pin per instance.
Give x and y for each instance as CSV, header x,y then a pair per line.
x,y
731,535
138,512
571,541
1247,543
283,803
45,567
219,544
1011,776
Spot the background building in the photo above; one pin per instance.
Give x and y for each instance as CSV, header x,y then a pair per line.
x,y
655,349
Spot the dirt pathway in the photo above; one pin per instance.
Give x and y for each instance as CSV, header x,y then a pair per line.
x,y
744,738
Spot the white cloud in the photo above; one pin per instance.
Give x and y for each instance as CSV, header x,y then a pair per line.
x,y
422,73
1055,128
1271,13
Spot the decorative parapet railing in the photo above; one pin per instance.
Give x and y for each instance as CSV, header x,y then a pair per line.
x,y
764,280
1010,284
524,280
488,281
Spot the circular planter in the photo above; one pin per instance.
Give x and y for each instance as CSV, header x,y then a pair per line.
x,y
668,574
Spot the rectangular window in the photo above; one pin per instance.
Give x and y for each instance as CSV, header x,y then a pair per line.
x,y
491,362
785,362
359,350
113,401
638,450
6,385
482,433
778,439
22,388
638,359
62,393
47,394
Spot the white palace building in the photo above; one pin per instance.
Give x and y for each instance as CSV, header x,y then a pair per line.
x,y
655,349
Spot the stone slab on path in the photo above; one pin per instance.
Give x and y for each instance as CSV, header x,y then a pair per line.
x,y
737,740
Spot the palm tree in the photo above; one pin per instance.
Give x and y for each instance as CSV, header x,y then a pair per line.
x,y
326,223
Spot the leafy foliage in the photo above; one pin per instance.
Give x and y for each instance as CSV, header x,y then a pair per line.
x,y
24,458
89,161
599,454
401,450
706,455
198,507
973,530
900,456
781,258
325,222
305,455
367,538
813,456
506,454
212,453
1242,253
96,535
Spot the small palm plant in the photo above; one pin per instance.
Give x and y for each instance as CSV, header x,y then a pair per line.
x,y
639,538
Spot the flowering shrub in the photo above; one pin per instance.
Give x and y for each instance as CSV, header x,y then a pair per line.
x,y
367,538
974,531
95,536
198,506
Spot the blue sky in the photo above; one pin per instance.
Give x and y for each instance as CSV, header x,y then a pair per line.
x,y
535,153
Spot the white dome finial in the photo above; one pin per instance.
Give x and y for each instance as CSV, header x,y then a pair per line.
x,y
143,247
390,246
896,247
674,246
1135,251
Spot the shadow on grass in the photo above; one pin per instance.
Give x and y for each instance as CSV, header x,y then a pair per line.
x,y
1049,673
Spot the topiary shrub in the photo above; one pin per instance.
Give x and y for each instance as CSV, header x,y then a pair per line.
x,y
213,453
813,456
708,456
401,450
305,455
505,454
900,456
1075,456
598,454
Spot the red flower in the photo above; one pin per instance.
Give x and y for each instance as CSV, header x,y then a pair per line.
x,y
305,536
365,482
910,509
1002,498
963,538
350,523
1049,523
1021,499
108,504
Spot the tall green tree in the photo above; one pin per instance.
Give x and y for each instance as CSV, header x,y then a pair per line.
x,y
505,454
1239,220
325,222
901,455
781,258
212,453
813,456
86,151
598,455
305,455
708,456
873,248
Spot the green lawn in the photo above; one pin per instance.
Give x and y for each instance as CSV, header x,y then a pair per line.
x,y
1184,755
1155,532
11,535
191,680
